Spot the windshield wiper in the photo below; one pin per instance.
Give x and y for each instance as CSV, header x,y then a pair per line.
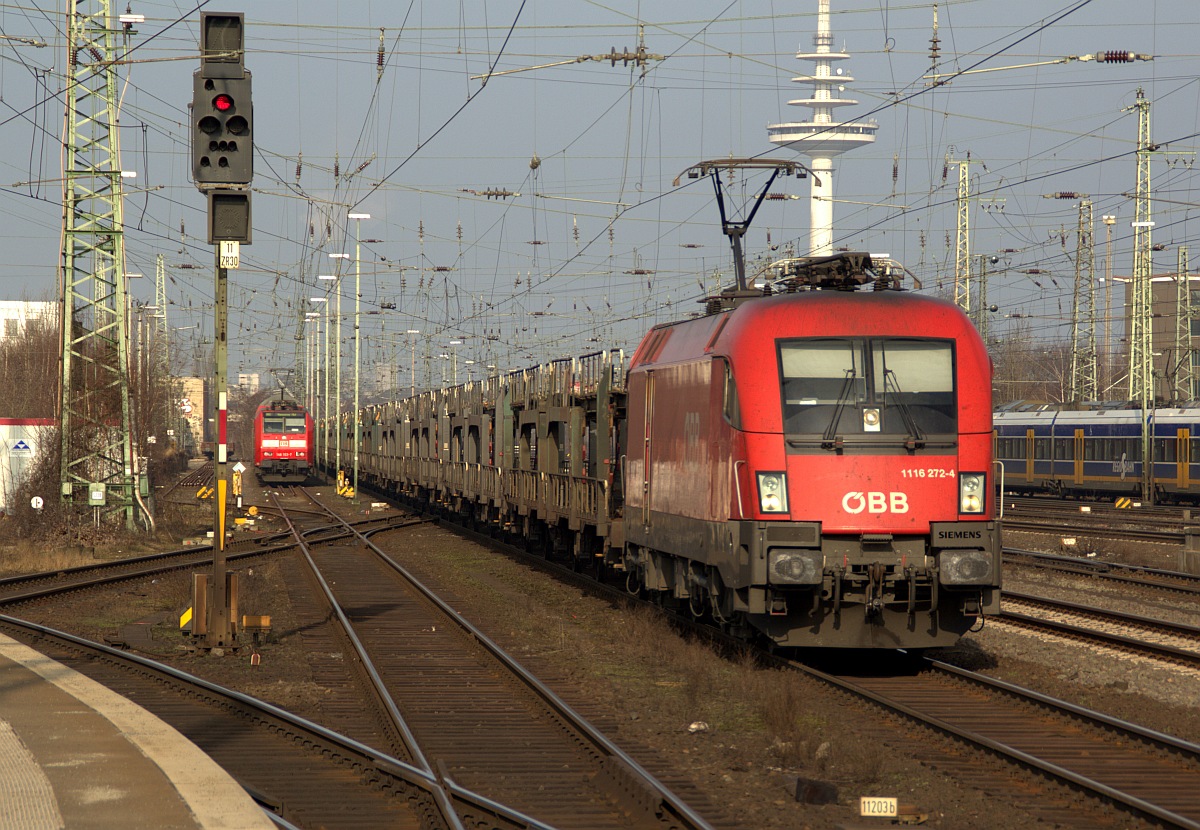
x,y
828,440
915,437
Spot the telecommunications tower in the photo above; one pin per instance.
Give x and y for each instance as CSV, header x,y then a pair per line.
x,y
822,137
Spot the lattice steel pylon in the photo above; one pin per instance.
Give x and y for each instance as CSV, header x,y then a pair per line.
x,y
1141,380
1084,381
95,412
1185,372
162,343
1141,366
962,247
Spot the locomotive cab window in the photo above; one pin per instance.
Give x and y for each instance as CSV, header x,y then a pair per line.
x,y
868,389
281,424
730,407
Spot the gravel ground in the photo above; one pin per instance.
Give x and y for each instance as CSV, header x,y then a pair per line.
x,y
744,733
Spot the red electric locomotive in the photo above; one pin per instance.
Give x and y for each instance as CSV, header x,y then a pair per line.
x,y
806,463
817,466
284,442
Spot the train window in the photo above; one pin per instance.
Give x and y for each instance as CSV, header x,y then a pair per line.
x,y
732,409
1041,449
283,424
1011,448
1164,449
1129,449
1064,449
908,383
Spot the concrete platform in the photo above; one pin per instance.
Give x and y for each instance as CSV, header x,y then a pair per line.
x,y
75,754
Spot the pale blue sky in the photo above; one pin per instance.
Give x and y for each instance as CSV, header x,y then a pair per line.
x,y
457,265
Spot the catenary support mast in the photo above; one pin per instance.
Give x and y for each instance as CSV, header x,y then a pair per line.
x,y
97,453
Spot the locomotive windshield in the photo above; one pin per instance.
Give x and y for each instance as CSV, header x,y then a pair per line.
x,y
282,424
857,388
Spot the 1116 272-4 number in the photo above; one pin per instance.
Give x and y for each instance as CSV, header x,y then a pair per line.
x,y
928,472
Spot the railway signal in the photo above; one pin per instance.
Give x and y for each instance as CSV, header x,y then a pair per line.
x,y
222,130
222,105
222,133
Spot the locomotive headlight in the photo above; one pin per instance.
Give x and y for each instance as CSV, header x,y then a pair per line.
x,y
971,492
871,420
795,567
965,567
772,492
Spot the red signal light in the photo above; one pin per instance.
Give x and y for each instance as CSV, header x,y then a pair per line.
x,y
223,102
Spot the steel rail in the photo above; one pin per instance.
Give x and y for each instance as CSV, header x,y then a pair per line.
x,y
158,563
667,798
1114,571
1012,754
446,785
340,746
1169,653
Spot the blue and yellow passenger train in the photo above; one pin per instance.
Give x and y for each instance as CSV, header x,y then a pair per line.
x,y
1098,451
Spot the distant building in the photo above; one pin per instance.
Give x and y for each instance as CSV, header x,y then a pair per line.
x,y
16,314
193,407
1164,292
248,382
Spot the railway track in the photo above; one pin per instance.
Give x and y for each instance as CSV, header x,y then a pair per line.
x,y
183,491
1157,578
1031,737
1128,633
1074,526
374,610
1148,775
42,585
1165,524
298,771
457,703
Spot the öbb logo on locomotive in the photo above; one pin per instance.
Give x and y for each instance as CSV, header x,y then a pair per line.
x,y
742,468
856,502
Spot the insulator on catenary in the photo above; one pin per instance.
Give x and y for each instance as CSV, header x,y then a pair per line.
x,y
1112,56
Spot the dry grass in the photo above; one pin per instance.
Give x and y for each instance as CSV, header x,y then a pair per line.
x,y
27,557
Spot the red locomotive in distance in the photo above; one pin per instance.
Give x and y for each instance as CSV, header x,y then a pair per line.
x,y
284,443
